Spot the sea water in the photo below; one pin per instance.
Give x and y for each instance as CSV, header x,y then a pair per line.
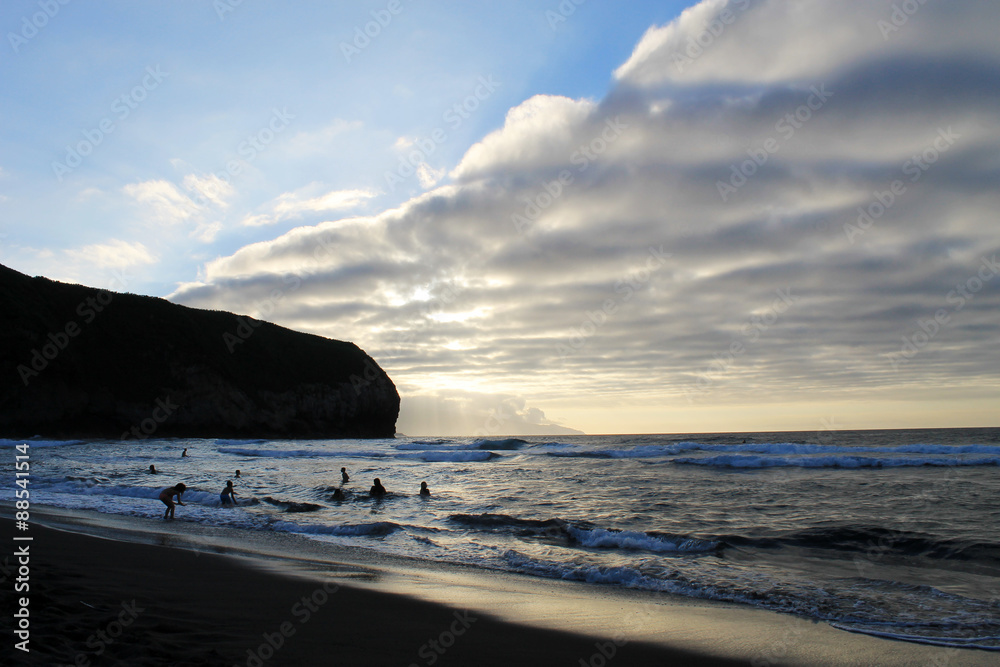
x,y
891,533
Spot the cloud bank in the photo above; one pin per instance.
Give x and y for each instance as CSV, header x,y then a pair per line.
x,y
776,203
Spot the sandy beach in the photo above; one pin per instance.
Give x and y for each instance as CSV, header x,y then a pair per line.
x,y
120,590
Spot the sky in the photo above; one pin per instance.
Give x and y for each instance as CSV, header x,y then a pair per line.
x,y
540,217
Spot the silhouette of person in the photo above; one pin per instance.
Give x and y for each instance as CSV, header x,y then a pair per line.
x,y
152,469
337,495
228,495
166,496
184,453
377,490
344,476
424,491
237,474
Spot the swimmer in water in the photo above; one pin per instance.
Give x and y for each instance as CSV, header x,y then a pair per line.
x,y
377,490
228,495
152,469
424,491
166,495
237,474
344,476
184,453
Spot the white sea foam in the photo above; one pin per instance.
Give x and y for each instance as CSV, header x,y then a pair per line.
x,y
341,530
626,539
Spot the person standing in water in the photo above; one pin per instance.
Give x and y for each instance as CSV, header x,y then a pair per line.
x,y
424,491
166,495
377,490
152,469
237,474
344,477
228,495
184,453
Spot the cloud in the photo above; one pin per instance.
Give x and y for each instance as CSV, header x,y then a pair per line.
x,y
465,413
773,221
301,202
163,201
116,254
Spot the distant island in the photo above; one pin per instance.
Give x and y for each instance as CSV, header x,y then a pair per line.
x,y
82,362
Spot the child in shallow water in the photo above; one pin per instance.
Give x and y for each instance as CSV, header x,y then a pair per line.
x,y
166,495
228,495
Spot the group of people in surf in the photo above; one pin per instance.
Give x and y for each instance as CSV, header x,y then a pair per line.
x,y
228,495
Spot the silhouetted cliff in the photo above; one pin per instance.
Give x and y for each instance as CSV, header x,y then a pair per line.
x,y
77,361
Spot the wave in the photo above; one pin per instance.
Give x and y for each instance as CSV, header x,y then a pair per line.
x,y
773,448
298,453
875,542
746,461
10,444
435,456
293,506
375,529
585,535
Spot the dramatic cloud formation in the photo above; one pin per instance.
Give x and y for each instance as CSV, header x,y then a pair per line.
x,y
780,212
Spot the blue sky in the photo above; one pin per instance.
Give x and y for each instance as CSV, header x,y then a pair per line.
x,y
752,215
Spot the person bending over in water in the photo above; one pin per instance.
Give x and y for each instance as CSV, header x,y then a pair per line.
x,y
424,491
228,495
344,476
166,496
152,469
377,490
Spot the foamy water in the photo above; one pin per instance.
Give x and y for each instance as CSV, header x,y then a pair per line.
x,y
893,533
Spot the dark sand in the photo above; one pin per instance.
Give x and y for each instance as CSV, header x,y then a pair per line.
x,y
99,601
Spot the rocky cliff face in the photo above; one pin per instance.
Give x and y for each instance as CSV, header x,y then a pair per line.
x,y
82,362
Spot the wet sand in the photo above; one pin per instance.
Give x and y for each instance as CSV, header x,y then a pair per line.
x,y
129,591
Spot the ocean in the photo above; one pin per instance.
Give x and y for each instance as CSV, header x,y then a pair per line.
x,y
890,533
